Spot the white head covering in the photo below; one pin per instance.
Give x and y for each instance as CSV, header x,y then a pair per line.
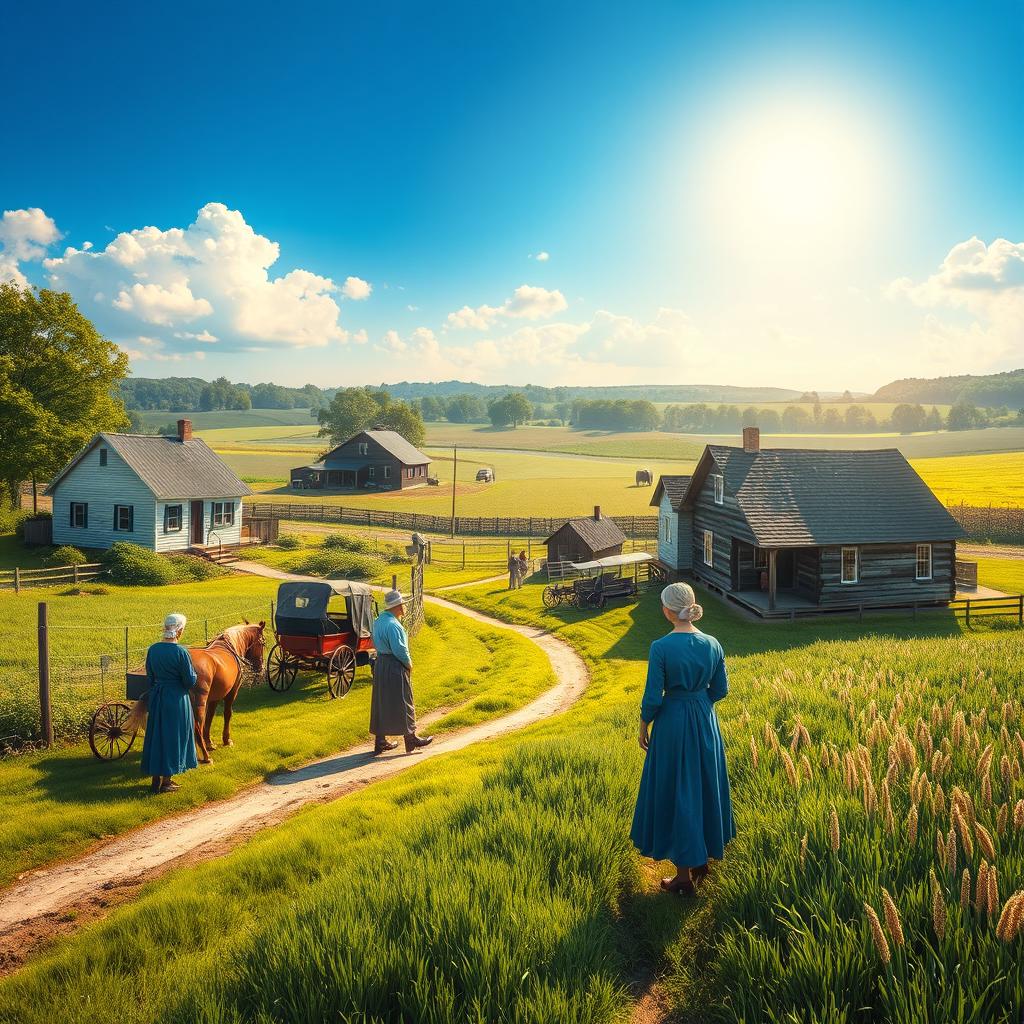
x,y
392,599
172,624
679,599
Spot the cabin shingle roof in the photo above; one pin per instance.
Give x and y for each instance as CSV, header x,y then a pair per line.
x,y
597,534
170,468
792,497
674,487
391,441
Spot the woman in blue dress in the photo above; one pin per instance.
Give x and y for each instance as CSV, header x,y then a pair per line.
x,y
169,746
683,811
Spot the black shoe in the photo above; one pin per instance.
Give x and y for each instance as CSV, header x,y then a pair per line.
x,y
414,742
383,745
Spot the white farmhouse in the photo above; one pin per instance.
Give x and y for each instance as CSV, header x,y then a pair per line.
x,y
162,493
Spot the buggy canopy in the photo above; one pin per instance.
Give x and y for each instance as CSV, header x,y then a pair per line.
x,y
302,607
613,562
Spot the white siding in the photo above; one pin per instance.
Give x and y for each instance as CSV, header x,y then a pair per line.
x,y
101,488
668,533
181,540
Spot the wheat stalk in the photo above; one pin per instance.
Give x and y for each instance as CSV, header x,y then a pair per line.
x,y
803,851
892,918
985,841
981,888
912,824
965,889
938,907
993,891
1002,816
877,934
833,829
1018,814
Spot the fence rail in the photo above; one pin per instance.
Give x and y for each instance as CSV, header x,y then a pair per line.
x,y
20,579
981,607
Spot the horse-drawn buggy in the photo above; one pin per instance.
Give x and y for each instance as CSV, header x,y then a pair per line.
x,y
311,633
600,581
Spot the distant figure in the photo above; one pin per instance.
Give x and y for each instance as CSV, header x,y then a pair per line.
x,y
524,567
683,810
392,708
514,574
169,746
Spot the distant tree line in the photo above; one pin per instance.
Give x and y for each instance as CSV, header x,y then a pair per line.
x,y
990,391
192,394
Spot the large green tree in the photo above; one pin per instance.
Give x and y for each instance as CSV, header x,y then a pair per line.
x,y
58,377
355,409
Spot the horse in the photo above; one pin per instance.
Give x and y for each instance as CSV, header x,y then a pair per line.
x,y
219,670
644,476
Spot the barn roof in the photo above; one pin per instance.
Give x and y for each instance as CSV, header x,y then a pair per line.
x,y
792,497
674,487
392,442
597,534
170,468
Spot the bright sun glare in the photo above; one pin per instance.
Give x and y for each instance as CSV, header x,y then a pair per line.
x,y
793,173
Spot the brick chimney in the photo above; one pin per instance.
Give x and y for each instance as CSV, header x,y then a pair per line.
x,y
184,430
597,511
751,439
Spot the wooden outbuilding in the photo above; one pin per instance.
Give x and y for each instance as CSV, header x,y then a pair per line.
x,y
786,530
674,543
584,539
371,459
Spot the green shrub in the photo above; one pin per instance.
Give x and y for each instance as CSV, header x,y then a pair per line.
x,y
137,566
346,542
289,542
341,565
189,568
64,555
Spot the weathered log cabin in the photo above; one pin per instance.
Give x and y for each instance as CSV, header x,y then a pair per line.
x,y
584,539
380,459
784,531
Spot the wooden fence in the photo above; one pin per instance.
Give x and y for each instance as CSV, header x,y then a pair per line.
x,y
20,579
467,526
982,607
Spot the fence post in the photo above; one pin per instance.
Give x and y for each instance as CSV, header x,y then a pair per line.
x,y
17,580
206,630
1020,610
967,613
74,574
394,581
45,712
126,665
463,554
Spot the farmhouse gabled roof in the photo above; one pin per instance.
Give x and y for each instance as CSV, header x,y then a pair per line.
x,y
392,442
791,497
674,487
597,534
170,468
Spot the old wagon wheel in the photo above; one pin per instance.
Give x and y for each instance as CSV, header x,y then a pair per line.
x,y
107,735
341,670
551,597
281,670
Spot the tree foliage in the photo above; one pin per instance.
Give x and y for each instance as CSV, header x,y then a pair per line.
x,y
58,375
355,409
512,409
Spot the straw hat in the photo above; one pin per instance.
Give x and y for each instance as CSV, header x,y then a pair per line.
x,y
392,599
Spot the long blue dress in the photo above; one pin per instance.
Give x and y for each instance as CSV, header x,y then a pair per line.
x,y
683,810
169,746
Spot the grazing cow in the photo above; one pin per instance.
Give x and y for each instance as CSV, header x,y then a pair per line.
x,y
644,477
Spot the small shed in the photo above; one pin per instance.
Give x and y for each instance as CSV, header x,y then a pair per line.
x,y
585,539
674,538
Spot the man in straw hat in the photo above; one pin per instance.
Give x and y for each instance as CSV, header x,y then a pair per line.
x,y
392,711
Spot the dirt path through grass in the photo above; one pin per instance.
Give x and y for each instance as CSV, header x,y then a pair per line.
x,y
57,899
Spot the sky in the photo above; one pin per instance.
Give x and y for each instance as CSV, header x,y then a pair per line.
x,y
811,195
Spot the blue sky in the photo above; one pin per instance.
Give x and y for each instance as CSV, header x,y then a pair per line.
x,y
790,194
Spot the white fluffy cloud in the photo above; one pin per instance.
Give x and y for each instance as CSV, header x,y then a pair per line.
x,y
24,235
540,257
356,288
208,283
987,283
528,302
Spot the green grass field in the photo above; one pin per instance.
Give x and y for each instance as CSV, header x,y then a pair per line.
x,y
58,802
499,883
1005,574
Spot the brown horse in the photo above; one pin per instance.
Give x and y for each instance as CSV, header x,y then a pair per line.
x,y
219,671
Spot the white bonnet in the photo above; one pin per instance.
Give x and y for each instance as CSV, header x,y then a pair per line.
x,y
173,623
679,599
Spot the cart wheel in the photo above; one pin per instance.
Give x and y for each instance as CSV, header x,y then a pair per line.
x,y
341,670
107,735
281,670
550,597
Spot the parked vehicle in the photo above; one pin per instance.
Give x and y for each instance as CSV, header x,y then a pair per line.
x,y
485,475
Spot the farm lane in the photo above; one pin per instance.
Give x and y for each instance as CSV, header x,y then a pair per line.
x,y
38,906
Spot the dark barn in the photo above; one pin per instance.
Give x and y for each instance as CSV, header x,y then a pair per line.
x,y
584,539
380,459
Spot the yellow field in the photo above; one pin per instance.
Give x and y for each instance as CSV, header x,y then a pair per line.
x,y
976,479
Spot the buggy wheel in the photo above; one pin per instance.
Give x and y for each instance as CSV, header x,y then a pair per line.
x,y
107,736
281,670
551,597
341,670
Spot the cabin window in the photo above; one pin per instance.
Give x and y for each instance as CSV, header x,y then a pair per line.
x,y
371,471
223,513
172,518
103,456
364,448
124,518
719,482
850,568
387,472
924,562
760,558
709,547
664,529
80,514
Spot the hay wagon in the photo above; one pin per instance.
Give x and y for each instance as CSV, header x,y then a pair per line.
x,y
312,634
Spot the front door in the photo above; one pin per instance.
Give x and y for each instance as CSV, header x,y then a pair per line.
x,y
196,519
